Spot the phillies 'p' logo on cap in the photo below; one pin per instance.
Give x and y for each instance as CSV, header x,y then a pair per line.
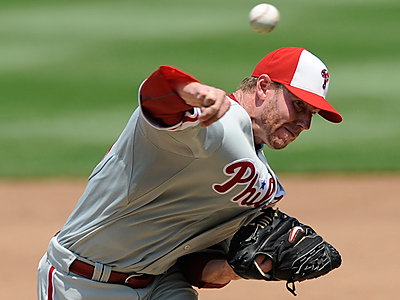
x,y
325,75
303,74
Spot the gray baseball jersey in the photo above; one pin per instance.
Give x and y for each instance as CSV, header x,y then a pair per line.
x,y
163,192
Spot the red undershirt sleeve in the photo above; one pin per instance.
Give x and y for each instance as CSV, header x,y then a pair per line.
x,y
159,101
192,266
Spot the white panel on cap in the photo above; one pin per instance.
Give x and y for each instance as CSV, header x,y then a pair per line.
x,y
308,75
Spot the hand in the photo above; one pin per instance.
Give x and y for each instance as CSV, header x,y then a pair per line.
x,y
212,101
218,271
264,263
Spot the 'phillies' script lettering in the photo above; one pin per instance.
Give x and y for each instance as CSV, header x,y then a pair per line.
x,y
244,172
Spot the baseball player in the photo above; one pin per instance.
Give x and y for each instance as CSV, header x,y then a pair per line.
x,y
185,174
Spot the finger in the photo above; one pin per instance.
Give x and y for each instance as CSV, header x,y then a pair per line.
x,y
208,112
211,104
210,98
207,117
264,263
208,102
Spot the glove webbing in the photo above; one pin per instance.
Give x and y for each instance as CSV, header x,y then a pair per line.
x,y
291,289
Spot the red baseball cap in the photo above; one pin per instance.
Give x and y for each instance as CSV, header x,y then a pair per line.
x,y
303,74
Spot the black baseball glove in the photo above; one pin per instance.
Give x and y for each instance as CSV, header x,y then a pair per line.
x,y
297,252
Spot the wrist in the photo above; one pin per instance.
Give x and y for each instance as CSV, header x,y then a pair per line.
x,y
218,271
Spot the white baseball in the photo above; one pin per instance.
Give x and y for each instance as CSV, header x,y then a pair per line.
x,y
263,18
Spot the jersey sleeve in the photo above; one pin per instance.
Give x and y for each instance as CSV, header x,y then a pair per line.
x,y
158,98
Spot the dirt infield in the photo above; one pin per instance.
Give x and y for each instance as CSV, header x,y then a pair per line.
x,y
357,214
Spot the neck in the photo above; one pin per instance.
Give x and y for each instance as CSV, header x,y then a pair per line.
x,y
246,100
239,96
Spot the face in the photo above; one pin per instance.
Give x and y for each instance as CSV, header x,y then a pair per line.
x,y
281,117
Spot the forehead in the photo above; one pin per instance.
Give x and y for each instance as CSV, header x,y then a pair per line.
x,y
290,95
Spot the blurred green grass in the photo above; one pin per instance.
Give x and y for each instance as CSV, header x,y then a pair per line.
x,y
70,70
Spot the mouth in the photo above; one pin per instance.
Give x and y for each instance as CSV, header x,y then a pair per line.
x,y
291,133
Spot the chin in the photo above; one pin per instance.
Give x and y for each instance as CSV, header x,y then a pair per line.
x,y
277,145
280,147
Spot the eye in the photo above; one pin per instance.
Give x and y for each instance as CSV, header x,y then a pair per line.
x,y
300,105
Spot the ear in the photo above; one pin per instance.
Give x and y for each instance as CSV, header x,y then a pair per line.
x,y
264,85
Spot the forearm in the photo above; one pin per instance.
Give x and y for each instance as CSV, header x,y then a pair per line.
x,y
206,269
218,271
169,92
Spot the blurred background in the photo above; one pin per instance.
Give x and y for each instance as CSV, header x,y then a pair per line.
x,y
69,77
70,71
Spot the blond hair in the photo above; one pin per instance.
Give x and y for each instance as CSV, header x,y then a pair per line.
x,y
249,84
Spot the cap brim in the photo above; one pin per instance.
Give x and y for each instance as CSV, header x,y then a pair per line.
x,y
326,110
